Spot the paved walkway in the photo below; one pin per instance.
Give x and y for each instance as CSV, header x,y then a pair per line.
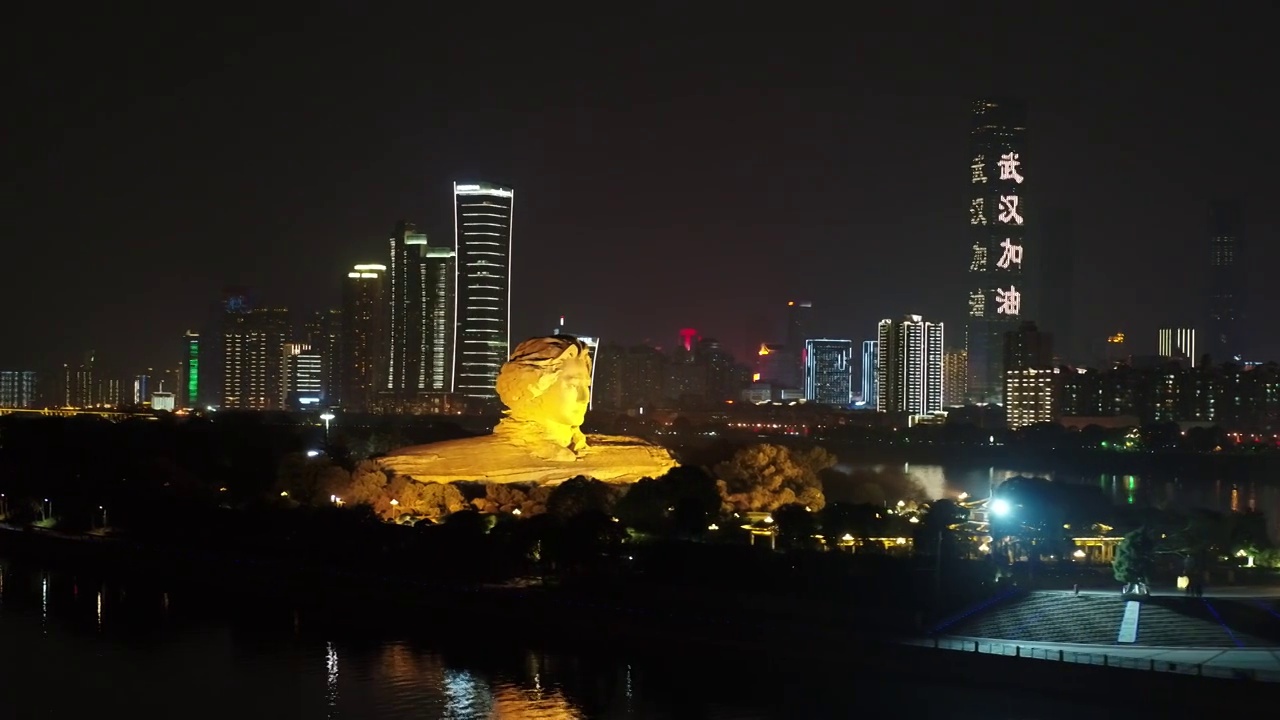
x,y
1260,664
1233,591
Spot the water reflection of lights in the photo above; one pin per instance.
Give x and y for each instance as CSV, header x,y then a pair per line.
x,y
99,610
44,603
465,697
331,664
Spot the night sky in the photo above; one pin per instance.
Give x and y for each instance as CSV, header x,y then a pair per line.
x,y
670,171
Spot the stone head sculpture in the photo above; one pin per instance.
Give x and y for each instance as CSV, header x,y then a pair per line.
x,y
547,381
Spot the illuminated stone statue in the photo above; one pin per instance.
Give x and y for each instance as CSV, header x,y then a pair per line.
x,y
546,386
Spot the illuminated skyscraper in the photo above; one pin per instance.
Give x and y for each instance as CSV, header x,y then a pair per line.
x,y
482,309
404,287
437,274
799,330
1178,343
304,376
955,377
1029,376
828,372
188,391
997,218
79,385
17,389
910,366
1226,285
253,357
141,388
364,330
870,372
322,332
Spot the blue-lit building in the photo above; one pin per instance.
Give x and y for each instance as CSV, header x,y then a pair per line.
x,y
17,389
828,372
870,358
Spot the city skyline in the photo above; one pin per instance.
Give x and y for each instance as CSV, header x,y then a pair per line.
x,y
786,170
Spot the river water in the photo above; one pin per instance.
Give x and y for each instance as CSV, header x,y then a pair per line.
x,y
77,647
1186,491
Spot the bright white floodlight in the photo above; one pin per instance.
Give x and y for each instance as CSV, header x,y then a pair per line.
x,y
1000,507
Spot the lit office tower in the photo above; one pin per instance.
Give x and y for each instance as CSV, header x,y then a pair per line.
x,y
799,330
910,366
828,372
1178,343
437,275
189,383
1029,376
870,369
141,388
997,218
304,376
323,334
955,377
17,389
1226,285
404,311
253,357
482,309
78,387
363,347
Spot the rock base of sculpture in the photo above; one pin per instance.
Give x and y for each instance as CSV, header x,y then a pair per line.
x,y
608,458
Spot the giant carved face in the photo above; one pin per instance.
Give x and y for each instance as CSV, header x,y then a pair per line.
x,y
547,380
567,399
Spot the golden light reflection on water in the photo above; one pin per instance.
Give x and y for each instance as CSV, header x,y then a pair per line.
x,y
466,695
510,703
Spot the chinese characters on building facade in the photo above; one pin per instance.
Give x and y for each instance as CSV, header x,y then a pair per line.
x,y
997,221
1009,301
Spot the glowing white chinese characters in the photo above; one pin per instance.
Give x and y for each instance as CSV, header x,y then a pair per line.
x,y
1010,301
1009,210
1012,255
1009,167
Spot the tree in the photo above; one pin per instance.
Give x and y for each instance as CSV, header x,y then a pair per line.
x,y
579,495
1135,559
585,538
430,500
307,480
644,507
763,478
936,532
796,525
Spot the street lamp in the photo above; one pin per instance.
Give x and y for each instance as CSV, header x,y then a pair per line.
x,y
1000,507
326,417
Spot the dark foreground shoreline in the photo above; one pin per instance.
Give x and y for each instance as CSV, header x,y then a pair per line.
x,y
569,616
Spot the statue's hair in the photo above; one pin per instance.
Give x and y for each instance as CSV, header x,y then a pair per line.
x,y
535,365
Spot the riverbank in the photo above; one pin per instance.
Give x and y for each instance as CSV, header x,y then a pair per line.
x,y
797,630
